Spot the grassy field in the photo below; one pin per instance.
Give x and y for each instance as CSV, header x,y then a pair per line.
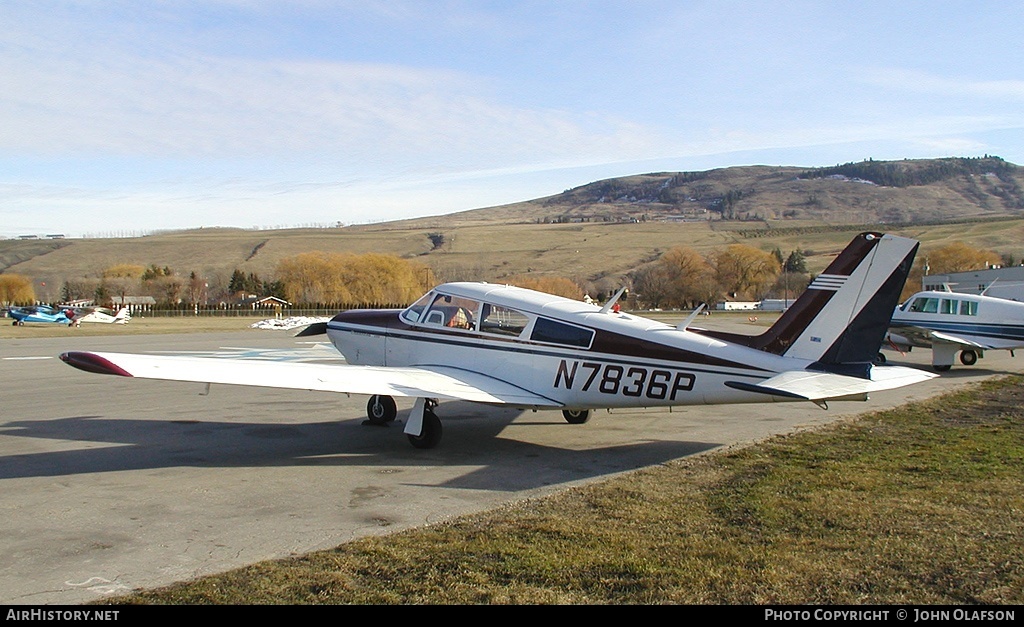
x,y
918,505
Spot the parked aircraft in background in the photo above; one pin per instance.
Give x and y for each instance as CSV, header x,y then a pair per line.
x,y
107,316
948,322
504,345
42,313
70,316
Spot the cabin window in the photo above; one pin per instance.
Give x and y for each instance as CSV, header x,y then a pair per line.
x,y
947,306
968,308
554,332
925,305
502,320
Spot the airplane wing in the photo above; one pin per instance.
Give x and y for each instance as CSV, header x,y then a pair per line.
x,y
414,382
926,336
815,385
939,336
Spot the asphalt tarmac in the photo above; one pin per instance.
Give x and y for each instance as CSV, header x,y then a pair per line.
x,y
111,484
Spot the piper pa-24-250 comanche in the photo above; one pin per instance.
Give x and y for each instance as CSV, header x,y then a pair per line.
x,y
505,345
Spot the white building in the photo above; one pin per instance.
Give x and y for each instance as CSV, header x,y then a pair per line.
x,y
999,282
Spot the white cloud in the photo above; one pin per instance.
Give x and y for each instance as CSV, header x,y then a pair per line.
x,y
904,80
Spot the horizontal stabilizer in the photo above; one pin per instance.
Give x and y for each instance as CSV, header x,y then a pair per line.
x,y
317,328
815,385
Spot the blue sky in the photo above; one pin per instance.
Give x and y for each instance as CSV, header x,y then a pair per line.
x,y
126,117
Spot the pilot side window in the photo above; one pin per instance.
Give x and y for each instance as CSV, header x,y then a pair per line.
x,y
453,312
502,321
948,306
925,305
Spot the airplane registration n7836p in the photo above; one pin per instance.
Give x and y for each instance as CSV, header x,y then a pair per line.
x,y
504,345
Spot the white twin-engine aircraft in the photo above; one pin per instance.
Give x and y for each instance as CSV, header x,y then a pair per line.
x,y
505,345
948,322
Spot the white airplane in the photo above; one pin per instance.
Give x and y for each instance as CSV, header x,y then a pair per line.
x,y
106,316
948,322
505,345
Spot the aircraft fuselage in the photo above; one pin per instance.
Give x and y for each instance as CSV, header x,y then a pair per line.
x,y
568,351
992,323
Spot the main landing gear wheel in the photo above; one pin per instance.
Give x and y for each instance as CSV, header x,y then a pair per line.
x,y
576,416
381,410
431,434
943,368
968,357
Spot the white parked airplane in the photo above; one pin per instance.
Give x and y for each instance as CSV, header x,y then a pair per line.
x,y
948,322
505,345
107,316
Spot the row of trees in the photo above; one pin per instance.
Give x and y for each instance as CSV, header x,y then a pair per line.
x,y
683,278
333,278
121,280
679,278
907,172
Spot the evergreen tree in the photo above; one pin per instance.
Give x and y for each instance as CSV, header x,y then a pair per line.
x,y
796,262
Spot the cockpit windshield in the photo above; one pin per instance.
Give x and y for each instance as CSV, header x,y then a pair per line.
x,y
413,312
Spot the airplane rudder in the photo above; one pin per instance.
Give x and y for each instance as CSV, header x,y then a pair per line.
x,y
793,332
883,285
844,313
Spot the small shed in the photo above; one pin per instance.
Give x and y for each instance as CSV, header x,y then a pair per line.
x,y
134,304
264,302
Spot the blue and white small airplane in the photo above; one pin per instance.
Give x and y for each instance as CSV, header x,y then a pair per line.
x,y
503,345
42,313
948,322
70,316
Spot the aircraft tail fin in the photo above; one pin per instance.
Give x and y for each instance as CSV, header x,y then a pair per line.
x,y
840,321
844,314
122,316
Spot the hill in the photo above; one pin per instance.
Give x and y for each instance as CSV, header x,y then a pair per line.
x,y
597,233
909,191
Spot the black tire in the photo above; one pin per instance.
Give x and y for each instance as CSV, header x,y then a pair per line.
x,y
431,435
880,359
576,416
968,357
381,409
943,368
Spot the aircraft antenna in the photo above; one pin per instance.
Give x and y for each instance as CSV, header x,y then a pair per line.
x,y
611,302
685,323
